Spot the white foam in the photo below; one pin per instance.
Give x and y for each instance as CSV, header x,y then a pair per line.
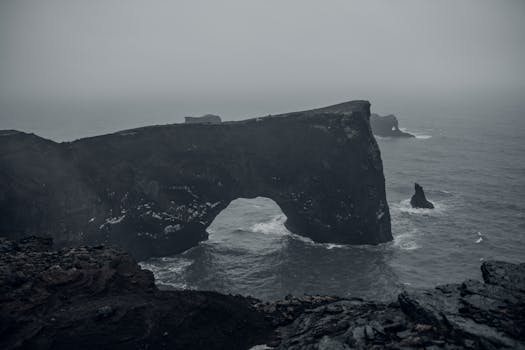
x,y
480,238
417,134
276,227
406,241
260,347
332,245
165,269
405,207
273,227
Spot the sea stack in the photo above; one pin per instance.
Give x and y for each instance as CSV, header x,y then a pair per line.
x,y
419,200
386,126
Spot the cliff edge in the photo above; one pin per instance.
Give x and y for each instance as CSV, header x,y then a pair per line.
x,y
98,297
154,190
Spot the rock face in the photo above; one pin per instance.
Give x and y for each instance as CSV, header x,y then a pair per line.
x,y
155,190
387,126
470,315
98,297
419,200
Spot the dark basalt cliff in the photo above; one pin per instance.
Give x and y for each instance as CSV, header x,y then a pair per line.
x,y
155,190
99,298
387,126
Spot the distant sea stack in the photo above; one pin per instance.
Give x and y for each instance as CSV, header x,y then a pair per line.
x,y
419,200
154,190
210,119
387,126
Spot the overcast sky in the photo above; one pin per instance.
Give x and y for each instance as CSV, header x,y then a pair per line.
x,y
237,49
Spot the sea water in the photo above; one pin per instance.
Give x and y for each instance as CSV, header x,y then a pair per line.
x,y
472,168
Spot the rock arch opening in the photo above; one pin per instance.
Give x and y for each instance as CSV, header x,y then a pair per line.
x,y
257,215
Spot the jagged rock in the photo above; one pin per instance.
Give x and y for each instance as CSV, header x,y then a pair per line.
x,y
419,200
488,315
155,190
99,298
470,315
386,126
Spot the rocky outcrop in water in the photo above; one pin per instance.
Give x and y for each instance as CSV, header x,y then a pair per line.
x,y
419,200
98,297
154,190
387,126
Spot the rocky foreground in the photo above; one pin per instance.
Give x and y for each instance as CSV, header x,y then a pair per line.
x,y
98,297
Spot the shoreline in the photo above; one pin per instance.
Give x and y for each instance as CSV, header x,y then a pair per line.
x,y
100,297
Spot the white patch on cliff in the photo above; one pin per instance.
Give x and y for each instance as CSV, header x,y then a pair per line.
x,y
320,127
186,189
171,229
113,221
351,133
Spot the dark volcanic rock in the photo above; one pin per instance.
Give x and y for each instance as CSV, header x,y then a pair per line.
x,y
99,298
155,190
387,126
419,200
470,315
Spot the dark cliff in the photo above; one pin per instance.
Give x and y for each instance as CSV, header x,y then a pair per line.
x,y
155,190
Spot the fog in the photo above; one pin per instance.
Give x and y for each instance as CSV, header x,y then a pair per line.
x,y
103,65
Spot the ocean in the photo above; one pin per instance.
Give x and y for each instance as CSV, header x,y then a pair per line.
x,y
472,168
469,160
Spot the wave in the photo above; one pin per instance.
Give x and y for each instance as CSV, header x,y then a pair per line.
x,y
480,238
273,227
405,207
406,241
168,271
417,134
276,227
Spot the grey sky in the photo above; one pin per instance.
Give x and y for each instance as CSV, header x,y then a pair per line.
x,y
70,47
232,50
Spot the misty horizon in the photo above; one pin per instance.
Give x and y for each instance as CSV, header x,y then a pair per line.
x,y
120,64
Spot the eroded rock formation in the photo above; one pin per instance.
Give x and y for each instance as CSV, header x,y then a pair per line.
x,y
419,200
99,298
387,126
155,190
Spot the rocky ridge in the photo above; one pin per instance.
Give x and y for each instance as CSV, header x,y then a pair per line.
x,y
99,297
153,191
